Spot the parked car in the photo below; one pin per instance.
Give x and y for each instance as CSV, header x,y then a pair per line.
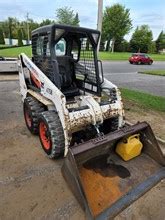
x,y
140,58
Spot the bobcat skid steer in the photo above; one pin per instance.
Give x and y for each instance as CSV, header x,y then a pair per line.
x,y
79,114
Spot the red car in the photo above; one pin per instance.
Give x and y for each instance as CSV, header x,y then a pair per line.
x,y
140,58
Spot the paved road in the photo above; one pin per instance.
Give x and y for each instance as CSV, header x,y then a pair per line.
x,y
125,75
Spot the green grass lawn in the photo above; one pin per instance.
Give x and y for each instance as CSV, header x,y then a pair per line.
x,y
125,56
158,57
114,56
145,100
14,52
154,72
4,45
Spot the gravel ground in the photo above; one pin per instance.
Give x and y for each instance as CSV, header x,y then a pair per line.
x,y
31,185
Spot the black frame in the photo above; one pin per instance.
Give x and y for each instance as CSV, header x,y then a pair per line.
x,y
50,30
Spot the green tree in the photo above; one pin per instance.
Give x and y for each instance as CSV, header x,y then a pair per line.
x,y
141,39
32,25
76,20
2,40
160,42
3,27
66,15
9,27
122,45
116,24
46,22
152,47
20,43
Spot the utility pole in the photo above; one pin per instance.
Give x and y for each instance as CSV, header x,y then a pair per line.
x,y
10,30
27,28
99,19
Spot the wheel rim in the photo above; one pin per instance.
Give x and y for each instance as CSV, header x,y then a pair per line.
x,y
43,130
28,119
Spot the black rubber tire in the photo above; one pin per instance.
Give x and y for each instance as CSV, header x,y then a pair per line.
x,y
33,108
54,133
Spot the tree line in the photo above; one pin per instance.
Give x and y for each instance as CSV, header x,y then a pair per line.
x,y
116,24
12,28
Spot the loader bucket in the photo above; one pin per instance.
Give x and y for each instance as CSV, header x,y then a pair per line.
x,y
102,182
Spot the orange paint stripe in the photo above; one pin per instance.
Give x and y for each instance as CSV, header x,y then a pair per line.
x,y
36,81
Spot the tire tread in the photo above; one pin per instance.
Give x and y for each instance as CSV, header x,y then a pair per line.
x,y
56,133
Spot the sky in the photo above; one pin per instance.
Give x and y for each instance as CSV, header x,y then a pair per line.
x,y
150,12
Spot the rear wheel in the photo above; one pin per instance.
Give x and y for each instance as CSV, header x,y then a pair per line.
x,y
32,108
51,134
150,63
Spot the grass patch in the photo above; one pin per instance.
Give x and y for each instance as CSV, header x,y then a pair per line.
x,y
158,57
145,100
4,45
114,56
125,56
154,72
14,52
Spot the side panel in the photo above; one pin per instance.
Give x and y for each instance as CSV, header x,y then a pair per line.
x,y
23,87
47,89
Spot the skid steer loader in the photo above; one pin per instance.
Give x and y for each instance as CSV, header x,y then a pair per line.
x,y
79,114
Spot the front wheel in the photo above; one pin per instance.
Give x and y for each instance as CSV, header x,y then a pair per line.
x,y
51,134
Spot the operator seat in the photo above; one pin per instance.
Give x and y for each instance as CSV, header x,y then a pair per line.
x,y
67,76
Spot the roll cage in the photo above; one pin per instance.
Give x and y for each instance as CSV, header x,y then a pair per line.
x,y
77,66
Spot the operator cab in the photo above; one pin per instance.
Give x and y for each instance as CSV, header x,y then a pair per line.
x,y
68,57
